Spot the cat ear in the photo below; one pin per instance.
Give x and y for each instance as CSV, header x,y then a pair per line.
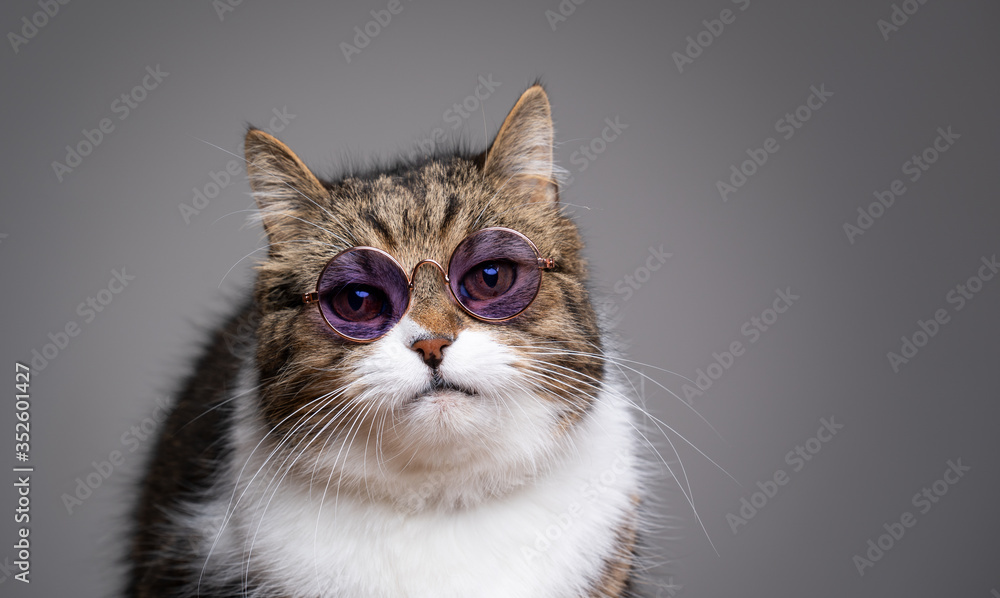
x,y
285,189
521,154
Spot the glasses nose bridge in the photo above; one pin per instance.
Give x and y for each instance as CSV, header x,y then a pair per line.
x,y
435,263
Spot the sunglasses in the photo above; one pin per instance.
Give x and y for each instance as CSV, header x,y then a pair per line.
x,y
494,274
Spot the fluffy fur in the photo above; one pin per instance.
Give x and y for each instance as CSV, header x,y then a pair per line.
x,y
308,465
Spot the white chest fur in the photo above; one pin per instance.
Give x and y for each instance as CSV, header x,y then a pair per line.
x,y
548,538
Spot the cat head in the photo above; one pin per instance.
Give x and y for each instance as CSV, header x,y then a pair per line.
x,y
441,389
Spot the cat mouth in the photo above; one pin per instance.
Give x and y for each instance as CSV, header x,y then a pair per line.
x,y
439,386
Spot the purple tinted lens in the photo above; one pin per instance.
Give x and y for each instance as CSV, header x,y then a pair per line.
x,y
494,273
368,281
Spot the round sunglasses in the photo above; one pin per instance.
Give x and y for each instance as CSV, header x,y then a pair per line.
x,y
494,274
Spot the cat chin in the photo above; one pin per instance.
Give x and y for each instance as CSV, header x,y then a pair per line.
x,y
445,403
447,414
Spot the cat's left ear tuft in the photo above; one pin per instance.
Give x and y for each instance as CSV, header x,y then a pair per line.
x,y
284,187
521,153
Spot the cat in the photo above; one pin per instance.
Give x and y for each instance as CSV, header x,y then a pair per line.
x,y
421,401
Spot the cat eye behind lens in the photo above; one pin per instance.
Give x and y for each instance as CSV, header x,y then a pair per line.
x,y
358,303
494,274
487,281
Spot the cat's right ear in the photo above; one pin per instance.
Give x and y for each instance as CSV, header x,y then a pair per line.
x,y
283,186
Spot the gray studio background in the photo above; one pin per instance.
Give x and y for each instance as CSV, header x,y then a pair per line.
x,y
654,184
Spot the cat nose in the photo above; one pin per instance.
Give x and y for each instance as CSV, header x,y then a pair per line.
x,y
431,350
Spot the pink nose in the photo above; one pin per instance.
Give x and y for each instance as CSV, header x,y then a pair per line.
x,y
431,350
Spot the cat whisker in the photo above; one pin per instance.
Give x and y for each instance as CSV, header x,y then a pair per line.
x,y
343,242
332,468
688,494
539,204
248,163
652,418
348,441
336,248
302,422
233,501
646,413
219,404
495,194
310,223
298,453
329,398
617,362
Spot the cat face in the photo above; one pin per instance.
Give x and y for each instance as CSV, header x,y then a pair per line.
x,y
441,389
